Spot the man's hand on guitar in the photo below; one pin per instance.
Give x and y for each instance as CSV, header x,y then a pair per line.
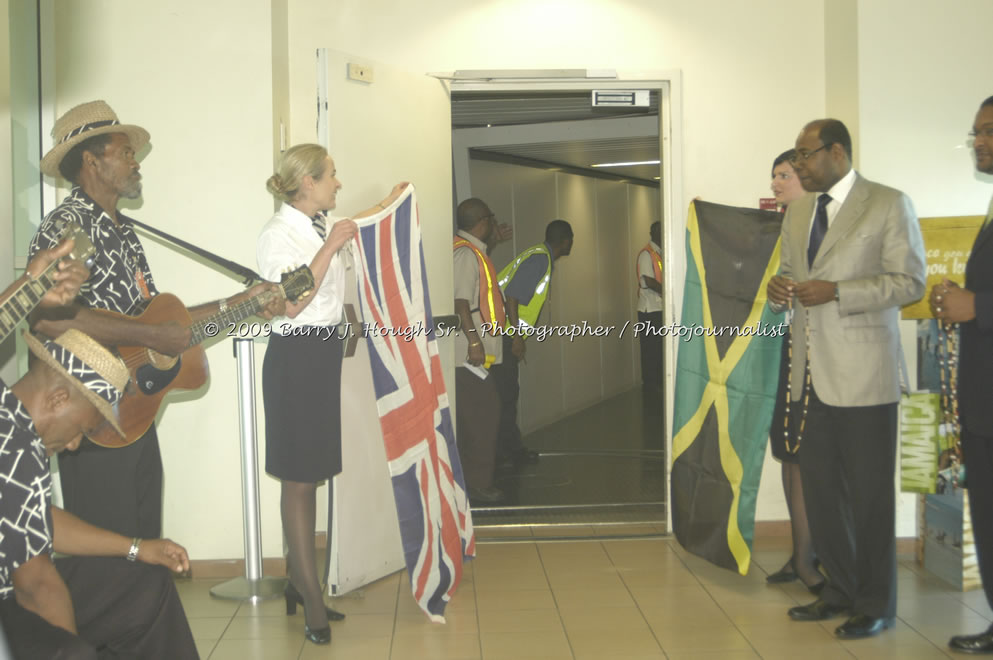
x,y
276,305
171,338
69,276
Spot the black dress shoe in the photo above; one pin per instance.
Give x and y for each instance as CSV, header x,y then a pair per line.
x,y
489,495
816,589
981,643
862,625
816,611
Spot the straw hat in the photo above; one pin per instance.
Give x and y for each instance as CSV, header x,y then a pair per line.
x,y
82,122
100,375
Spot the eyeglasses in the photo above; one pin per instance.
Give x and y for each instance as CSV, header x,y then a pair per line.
x,y
799,157
985,133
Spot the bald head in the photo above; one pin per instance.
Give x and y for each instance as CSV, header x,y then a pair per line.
x,y
823,154
475,217
832,131
655,232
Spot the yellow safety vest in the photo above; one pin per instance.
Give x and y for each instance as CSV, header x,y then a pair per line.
x,y
489,292
528,314
656,265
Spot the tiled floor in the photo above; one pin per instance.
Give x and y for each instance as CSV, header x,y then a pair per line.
x,y
594,599
605,463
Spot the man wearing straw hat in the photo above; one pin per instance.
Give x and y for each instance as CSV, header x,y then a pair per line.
x,y
118,489
98,600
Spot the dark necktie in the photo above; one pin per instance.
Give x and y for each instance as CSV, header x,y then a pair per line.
x,y
320,225
819,229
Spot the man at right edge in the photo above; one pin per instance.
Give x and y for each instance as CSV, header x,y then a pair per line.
x,y
972,307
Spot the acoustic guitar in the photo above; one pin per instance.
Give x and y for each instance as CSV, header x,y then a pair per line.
x,y
153,375
27,296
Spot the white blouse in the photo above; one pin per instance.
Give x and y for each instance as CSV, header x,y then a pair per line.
x,y
288,241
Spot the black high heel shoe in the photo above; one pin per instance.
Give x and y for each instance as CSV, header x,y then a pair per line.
x,y
322,636
786,574
293,598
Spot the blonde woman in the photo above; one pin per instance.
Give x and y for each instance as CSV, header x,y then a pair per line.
x,y
301,373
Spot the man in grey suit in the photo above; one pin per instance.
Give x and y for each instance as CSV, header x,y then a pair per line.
x,y
852,254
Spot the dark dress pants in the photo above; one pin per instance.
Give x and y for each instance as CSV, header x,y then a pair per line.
x,y
116,489
847,463
977,453
123,610
651,351
506,378
477,414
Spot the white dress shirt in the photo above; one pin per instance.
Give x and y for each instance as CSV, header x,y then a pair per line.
x,y
288,241
648,300
839,193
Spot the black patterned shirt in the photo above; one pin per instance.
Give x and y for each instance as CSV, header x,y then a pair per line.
x,y
25,491
120,280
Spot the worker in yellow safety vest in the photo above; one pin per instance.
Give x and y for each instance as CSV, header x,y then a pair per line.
x,y
648,271
525,282
478,349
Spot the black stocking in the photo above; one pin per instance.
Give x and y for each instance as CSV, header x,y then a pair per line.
x,y
803,546
298,505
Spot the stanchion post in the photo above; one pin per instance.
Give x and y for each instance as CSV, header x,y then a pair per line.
x,y
254,586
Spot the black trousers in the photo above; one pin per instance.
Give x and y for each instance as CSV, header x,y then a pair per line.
x,y
977,453
123,610
651,351
506,376
847,463
477,414
116,489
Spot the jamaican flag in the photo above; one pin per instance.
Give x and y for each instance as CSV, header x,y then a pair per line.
x,y
726,378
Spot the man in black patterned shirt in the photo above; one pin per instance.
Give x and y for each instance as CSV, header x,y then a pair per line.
x,y
92,602
117,489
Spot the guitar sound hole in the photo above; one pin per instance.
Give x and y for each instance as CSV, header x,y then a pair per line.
x,y
151,380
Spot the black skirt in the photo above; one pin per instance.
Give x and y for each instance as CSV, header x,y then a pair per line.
x,y
301,392
777,432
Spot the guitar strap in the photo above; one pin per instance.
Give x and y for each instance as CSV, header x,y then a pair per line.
x,y
239,270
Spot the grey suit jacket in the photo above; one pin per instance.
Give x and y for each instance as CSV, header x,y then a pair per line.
x,y
874,251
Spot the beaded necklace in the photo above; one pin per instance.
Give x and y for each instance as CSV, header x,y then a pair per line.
x,y
789,385
948,377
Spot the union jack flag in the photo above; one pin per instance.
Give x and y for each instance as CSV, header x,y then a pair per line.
x,y
428,485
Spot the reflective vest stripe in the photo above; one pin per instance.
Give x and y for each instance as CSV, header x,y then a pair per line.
x,y
656,265
492,312
528,314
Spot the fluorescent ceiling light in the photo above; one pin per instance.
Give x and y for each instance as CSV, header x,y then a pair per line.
x,y
632,163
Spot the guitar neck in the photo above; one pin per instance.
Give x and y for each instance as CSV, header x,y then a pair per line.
x,y
233,314
27,296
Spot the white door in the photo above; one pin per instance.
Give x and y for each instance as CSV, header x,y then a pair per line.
x,y
395,128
